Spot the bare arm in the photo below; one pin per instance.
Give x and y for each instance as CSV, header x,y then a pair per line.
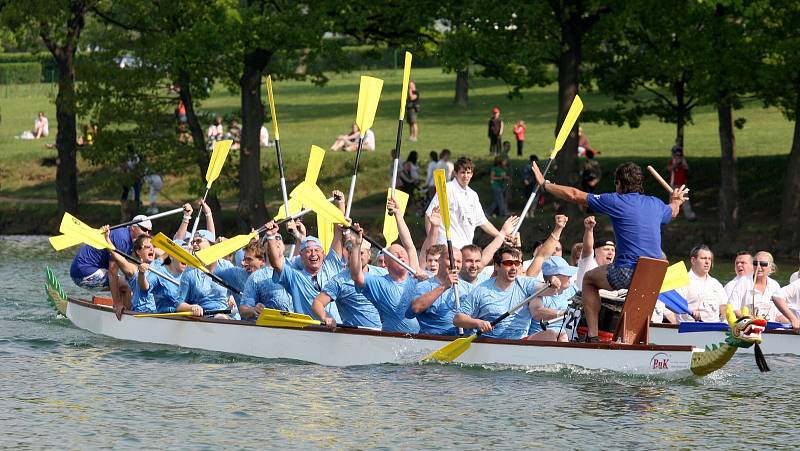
x,y
432,224
405,236
273,247
782,306
121,262
547,248
338,242
588,237
356,272
141,279
209,218
505,231
180,234
566,193
318,307
489,228
540,312
467,322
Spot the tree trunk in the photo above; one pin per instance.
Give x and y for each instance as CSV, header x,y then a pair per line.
x,y
569,63
67,168
462,87
202,156
252,210
729,187
789,237
681,112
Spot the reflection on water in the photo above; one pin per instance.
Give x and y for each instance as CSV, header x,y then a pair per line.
x,y
67,388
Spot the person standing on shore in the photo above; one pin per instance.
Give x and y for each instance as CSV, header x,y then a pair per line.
x,y
412,109
678,169
519,132
495,132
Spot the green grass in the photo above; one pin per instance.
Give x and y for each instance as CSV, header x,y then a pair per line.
x,y
313,115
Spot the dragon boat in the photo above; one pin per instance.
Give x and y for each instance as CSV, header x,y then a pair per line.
x,y
779,341
351,347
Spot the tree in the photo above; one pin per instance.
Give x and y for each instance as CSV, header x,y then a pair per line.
x,y
59,25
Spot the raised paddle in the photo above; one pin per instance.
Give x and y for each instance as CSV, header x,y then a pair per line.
x,y
175,251
61,242
281,318
75,228
312,197
218,156
440,179
369,93
398,143
566,127
390,232
233,244
315,158
277,136
187,313
455,348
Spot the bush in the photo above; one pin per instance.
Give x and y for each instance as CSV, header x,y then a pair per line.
x,y
20,73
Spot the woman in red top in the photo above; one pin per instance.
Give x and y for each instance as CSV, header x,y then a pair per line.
x,y
678,175
519,131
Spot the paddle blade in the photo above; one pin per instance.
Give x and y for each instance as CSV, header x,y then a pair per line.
x,y
440,178
452,350
406,79
218,156
295,206
280,318
311,196
271,99
74,227
369,93
675,302
61,242
213,253
390,232
325,231
314,164
161,241
677,276
566,127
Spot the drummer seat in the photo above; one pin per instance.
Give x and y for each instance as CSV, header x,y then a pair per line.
x,y
634,322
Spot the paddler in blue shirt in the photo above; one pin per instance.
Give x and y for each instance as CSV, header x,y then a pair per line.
x,y
637,220
489,300
198,291
236,276
434,303
261,292
558,273
140,278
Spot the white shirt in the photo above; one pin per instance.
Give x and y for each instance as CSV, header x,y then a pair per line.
x,y
466,213
585,264
744,294
263,137
705,295
429,177
369,140
448,167
790,293
795,275
44,123
735,282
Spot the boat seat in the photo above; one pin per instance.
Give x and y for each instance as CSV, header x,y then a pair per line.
x,y
634,322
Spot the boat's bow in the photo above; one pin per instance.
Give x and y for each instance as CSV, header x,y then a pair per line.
x,y
743,333
55,294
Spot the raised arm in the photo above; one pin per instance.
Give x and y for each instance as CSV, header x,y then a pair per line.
x,y
549,245
354,263
180,234
566,193
209,218
432,224
505,232
588,237
677,198
338,241
273,247
405,236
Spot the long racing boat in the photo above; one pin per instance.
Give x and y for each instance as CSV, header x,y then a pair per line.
x,y
350,347
775,341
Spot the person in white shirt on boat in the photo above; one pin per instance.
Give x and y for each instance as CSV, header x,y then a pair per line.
x,y
704,293
594,253
787,301
795,275
757,298
466,212
743,266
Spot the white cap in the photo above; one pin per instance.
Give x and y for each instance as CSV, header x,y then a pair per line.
x,y
142,220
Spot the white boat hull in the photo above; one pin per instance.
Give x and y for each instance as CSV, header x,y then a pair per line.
x,y
346,347
775,341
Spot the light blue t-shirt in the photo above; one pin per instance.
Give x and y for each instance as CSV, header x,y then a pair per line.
x,y
354,308
487,302
637,223
438,318
478,280
303,287
260,288
166,293
556,302
142,300
235,276
198,288
391,299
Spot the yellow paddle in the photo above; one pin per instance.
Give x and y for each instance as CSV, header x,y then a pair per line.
x,y
369,94
403,98
188,313
677,276
218,156
566,127
76,229
440,179
315,157
455,348
390,232
61,242
278,146
175,251
281,318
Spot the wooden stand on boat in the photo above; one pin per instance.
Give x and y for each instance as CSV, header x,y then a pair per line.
x,y
634,321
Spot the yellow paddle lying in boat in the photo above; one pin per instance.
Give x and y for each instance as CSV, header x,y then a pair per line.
x,y
61,242
281,318
455,348
76,229
175,251
218,156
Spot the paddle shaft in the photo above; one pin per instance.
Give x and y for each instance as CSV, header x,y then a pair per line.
x,y
531,198
139,262
219,280
516,307
167,315
353,178
199,210
396,161
660,179
455,286
282,176
156,216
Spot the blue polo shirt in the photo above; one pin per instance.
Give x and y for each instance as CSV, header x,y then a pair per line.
x,y
438,318
637,221
235,276
303,287
487,302
354,308
88,259
555,302
260,288
143,300
166,293
198,288
391,299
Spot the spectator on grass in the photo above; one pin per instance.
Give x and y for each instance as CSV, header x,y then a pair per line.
x,y
412,110
215,131
41,126
519,133
495,132
498,175
429,183
445,163
679,175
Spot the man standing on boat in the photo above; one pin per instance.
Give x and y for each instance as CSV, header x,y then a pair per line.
x,y
637,221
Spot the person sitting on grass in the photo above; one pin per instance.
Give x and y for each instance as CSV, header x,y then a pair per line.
x,y
349,143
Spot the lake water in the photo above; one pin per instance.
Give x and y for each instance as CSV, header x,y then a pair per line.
x,y
69,389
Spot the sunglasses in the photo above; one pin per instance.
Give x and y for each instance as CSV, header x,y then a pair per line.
x,y
510,263
761,264
144,229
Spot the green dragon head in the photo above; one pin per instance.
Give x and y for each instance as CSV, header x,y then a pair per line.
x,y
745,331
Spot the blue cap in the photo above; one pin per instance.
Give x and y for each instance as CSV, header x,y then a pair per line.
x,y
205,234
310,241
557,265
